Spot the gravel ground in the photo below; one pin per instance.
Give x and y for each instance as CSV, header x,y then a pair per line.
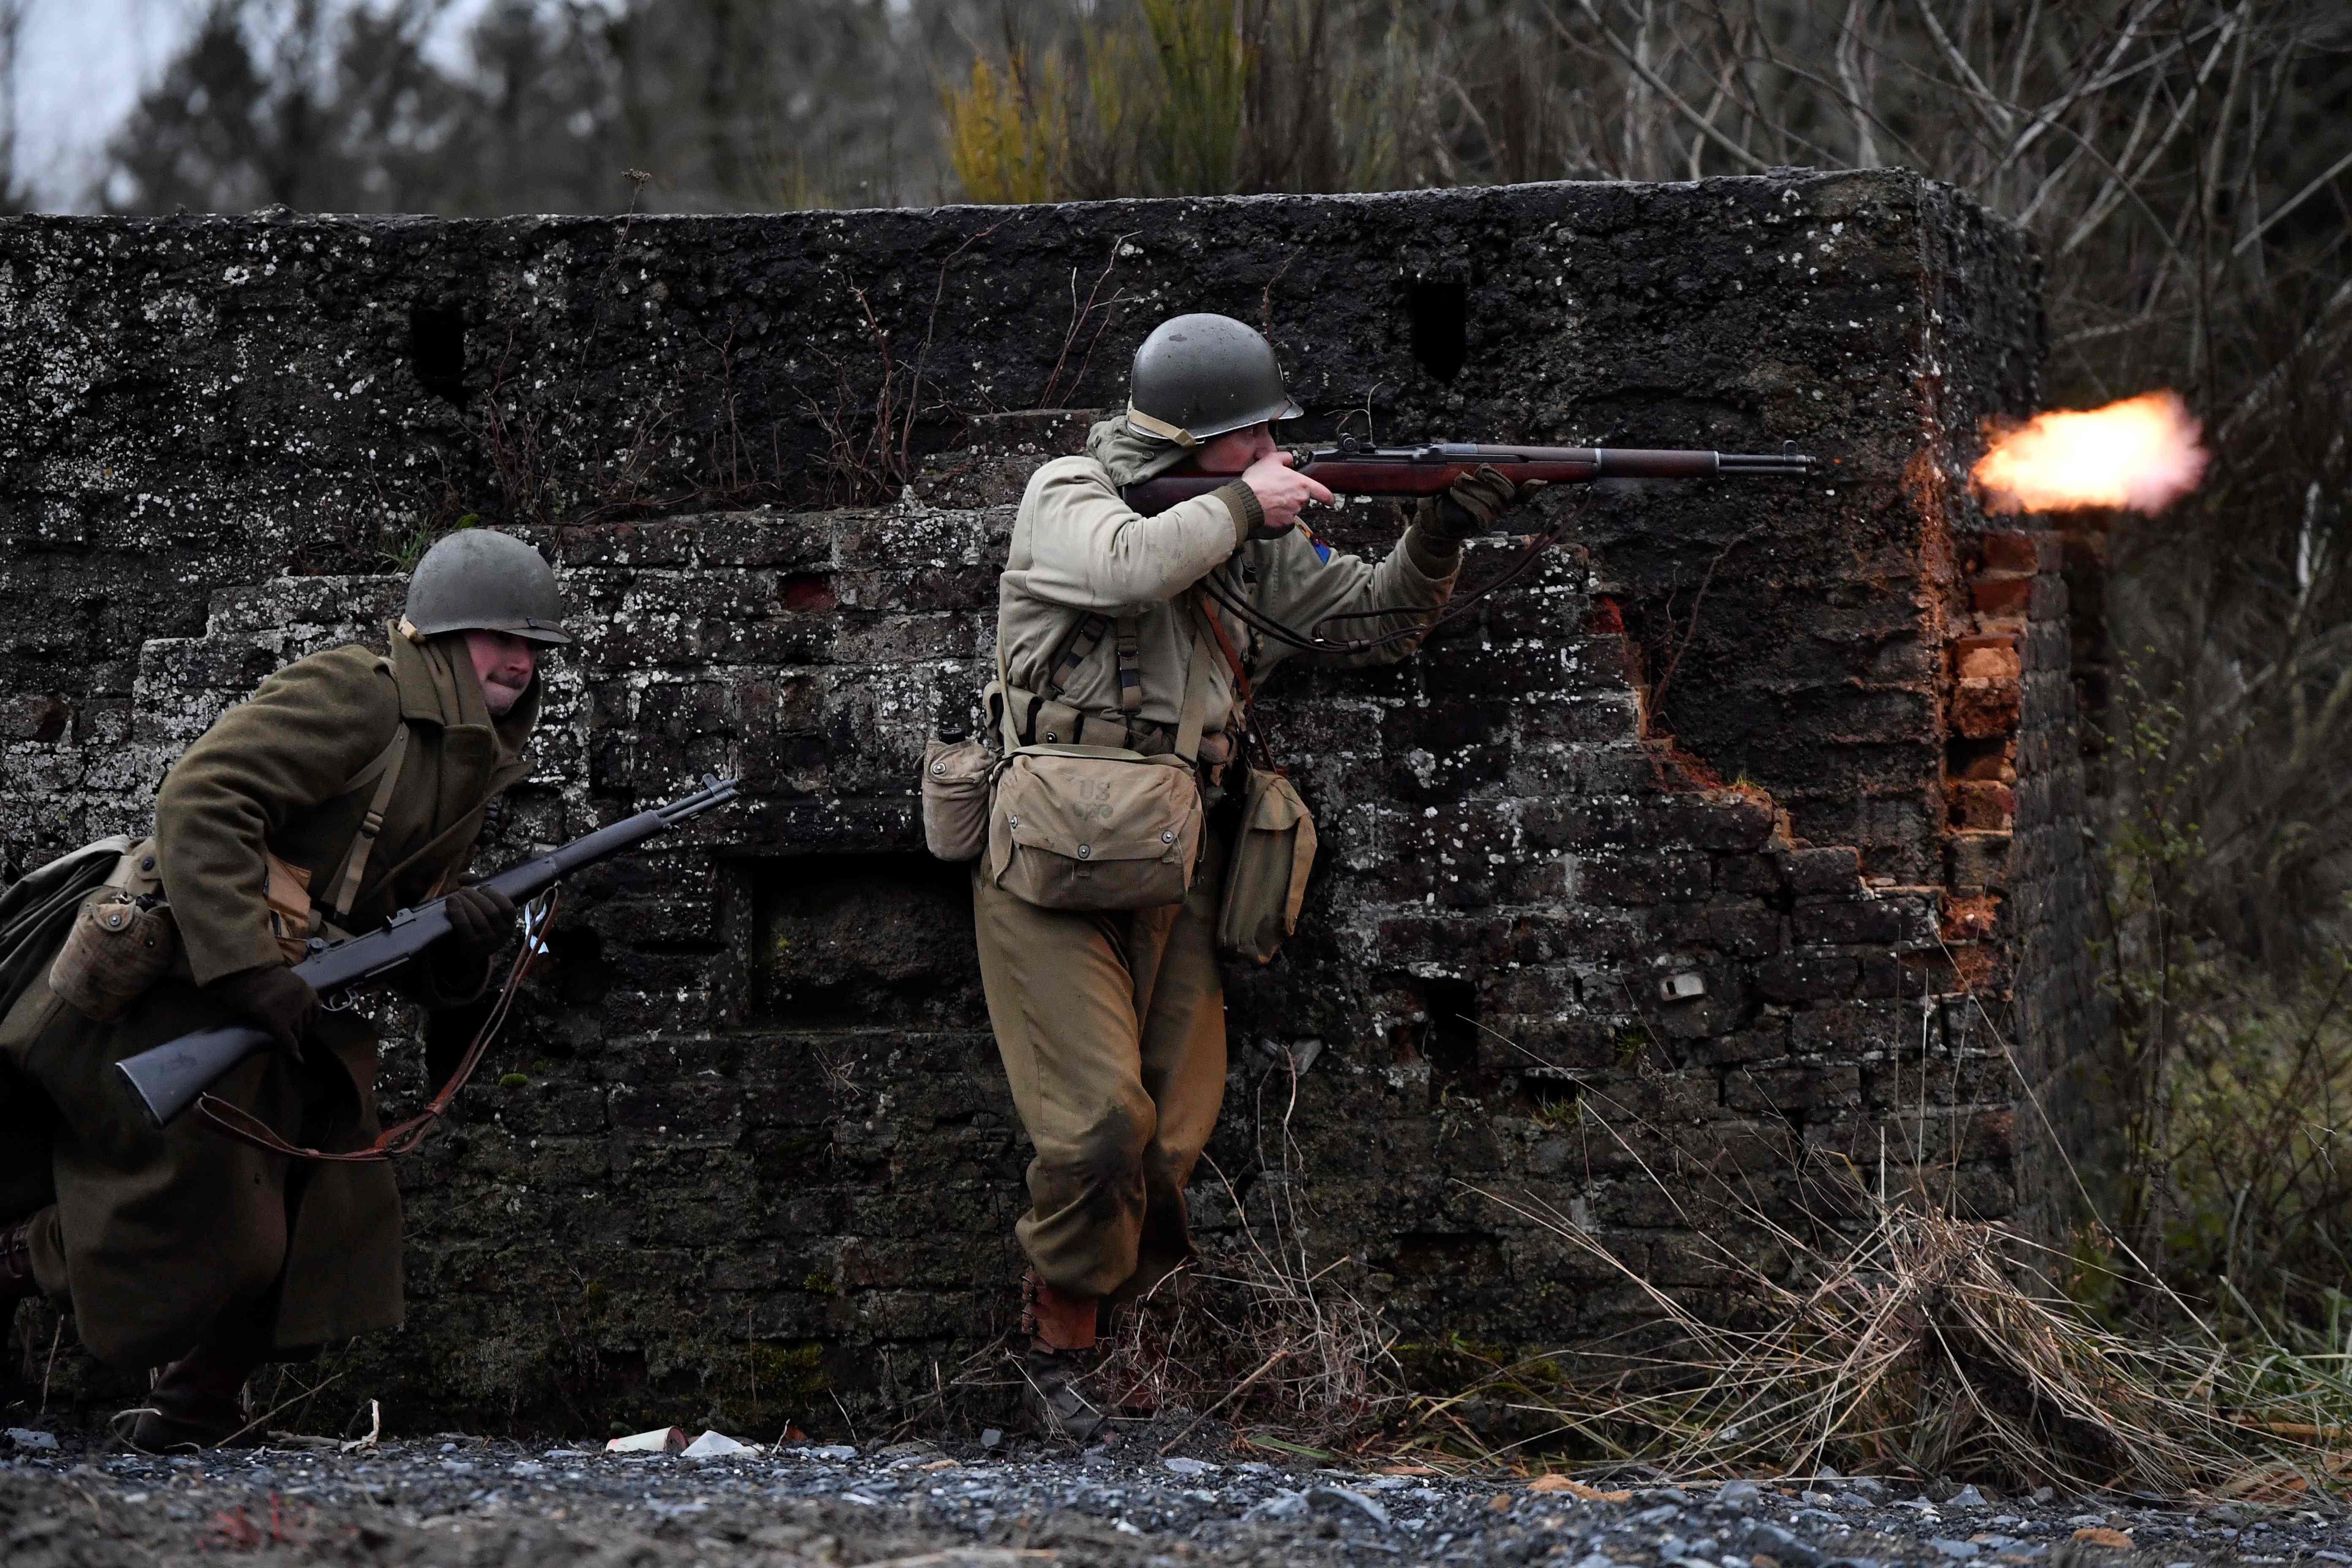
x,y
465,1500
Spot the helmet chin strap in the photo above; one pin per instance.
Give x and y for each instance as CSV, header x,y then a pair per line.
x,y
1138,419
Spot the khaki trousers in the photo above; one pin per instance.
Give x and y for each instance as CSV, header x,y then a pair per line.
x,y
1112,1027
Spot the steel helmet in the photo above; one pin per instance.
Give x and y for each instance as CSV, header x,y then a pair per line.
x,y
479,580
1199,376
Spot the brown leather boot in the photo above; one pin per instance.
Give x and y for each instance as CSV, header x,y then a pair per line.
x,y
1059,1389
196,1403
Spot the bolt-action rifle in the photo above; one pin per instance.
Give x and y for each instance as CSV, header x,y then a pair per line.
x,y
167,1080
1351,467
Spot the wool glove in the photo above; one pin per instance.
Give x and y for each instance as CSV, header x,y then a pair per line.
x,y
275,998
1471,505
481,923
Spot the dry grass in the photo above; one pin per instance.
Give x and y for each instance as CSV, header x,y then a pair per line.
x,y
1893,1336
1254,1337
1254,1334
1874,1335
1251,1340
1917,1351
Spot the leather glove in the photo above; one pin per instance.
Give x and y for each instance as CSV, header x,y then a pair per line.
x,y
275,999
481,923
1471,505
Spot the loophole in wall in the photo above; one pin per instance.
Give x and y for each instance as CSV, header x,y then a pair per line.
x,y
437,350
1437,310
1450,1039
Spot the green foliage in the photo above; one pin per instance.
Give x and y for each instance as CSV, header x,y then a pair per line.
x,y
1553,1112
2234,1077
1186,97
1190,127
1008,132
406,549
795,1372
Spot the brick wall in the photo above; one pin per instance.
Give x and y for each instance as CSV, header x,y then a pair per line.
x,y
752,1154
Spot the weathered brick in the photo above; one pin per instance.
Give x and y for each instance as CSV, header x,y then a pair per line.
x,y
1806,977
1982,804
1983,710
2002,597
1626,877
1831,869
1858,919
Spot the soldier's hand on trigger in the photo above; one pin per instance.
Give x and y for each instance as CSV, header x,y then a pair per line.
x,y
1472,504
1281,492
481,923
273,997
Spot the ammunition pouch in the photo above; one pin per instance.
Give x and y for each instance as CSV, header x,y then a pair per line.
x,y
1265,874
293,919
1094,829
1078,825
956,776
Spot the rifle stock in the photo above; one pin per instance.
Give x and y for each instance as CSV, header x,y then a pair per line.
x,y
1353,469
167,1080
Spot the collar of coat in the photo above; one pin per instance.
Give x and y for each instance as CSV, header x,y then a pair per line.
x,y
1129,454
437,686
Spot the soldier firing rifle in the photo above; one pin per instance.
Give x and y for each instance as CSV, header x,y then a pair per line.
x,y
1122,836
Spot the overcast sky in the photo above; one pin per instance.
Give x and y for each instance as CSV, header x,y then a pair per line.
x,y
85,63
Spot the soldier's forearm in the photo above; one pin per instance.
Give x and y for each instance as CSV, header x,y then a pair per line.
x,y
1438,559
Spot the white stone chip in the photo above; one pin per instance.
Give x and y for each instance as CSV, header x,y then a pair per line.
x,y
660,1440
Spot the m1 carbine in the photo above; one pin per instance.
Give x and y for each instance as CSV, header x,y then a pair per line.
x,y
1353,468
168,1078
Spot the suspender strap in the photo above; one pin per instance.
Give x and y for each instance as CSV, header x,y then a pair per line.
x,y
385,769
1085,636
1196,692
1012,726
1078,645
1233,658
1130,668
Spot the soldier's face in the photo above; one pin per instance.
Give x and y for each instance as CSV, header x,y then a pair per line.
x,y
1237,449
504,664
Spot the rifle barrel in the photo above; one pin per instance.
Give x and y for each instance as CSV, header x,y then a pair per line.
x,y
1431,468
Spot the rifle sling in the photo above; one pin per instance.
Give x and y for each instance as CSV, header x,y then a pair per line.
x,y
385,768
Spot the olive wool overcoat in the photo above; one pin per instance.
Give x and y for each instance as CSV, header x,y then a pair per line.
x,y
156,1236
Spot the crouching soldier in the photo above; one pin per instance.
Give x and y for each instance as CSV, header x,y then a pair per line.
x,y
350,786
1121,707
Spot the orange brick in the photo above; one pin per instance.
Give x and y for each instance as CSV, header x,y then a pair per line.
x,y
2012,552
2003,597
1994,767
1983,710
1986,658
1982,805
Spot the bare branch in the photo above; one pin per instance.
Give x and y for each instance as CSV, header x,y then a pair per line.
x,y
1705,127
